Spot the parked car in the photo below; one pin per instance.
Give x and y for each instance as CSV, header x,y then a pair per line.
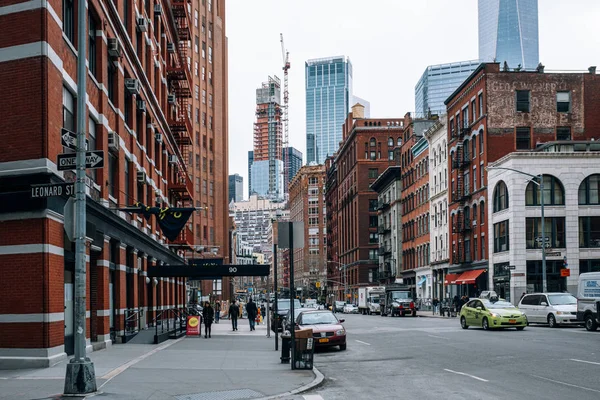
x,y
492,313
288,317
339,306
588,300
283,306
350,309
554,309
327,328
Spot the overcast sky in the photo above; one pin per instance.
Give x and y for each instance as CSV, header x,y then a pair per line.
x,y
389,42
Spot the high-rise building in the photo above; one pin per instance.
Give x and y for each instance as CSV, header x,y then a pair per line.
x,y
236,188
266,171
293,161
366,104
437,83
508,31
250,161
328,83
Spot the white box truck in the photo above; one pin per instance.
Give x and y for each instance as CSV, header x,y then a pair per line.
x,y
368,299
588,300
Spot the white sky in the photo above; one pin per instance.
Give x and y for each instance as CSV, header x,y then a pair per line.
x,y
390,42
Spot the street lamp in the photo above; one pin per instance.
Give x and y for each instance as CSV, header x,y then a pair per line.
x,y
538,180
345,277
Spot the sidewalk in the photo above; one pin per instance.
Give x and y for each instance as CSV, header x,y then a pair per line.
x,y
430,314
231,365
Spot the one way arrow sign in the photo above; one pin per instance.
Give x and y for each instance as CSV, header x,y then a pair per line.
x,y
69,139
93,160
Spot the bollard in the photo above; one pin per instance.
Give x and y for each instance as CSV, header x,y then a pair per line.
x,y
286,344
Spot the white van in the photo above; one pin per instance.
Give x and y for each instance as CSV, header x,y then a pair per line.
x,y
588,300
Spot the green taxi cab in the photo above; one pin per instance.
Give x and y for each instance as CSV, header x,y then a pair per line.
x,y
492,313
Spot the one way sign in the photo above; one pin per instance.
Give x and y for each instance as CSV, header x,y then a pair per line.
x,y
93,160
69,139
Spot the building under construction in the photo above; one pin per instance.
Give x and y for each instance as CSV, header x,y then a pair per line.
x,y
267,167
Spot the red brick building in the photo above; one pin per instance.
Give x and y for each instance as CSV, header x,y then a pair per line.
x,y
494,113
139,112
413,158
367,149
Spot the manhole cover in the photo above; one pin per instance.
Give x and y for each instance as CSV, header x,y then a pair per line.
x,y
237,394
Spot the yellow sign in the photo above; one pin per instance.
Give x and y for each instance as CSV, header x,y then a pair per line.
x,y
318,284
193,322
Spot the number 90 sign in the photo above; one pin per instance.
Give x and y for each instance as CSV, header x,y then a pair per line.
x,y
232,270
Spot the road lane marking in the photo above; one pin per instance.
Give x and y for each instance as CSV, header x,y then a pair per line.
x,y
360,341
583,361
470,376
312,397
437,337
567,384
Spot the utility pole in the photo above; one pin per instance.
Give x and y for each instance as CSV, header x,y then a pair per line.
x,y
80,376
292,294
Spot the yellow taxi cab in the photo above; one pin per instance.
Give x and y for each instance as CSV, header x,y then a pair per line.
x,y
492,312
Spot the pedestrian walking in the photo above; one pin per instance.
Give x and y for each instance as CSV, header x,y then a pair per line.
x,y
234,312
252,312
435,304
208,314
217,311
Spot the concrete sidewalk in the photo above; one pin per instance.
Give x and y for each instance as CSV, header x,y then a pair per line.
x,y
230,365
430,314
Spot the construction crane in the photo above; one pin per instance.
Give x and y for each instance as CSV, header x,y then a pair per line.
x,y
285,55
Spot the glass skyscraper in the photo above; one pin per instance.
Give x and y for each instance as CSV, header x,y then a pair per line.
x,y
508,31
437,83
328,84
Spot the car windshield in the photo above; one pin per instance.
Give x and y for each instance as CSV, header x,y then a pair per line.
x,y
284,304
497,304
400,295
561,299
316,318
375,300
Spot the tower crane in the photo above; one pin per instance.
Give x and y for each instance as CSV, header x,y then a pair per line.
x,y
285,55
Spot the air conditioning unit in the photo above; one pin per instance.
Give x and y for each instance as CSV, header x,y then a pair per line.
x,y
141,176
141,105
113,141
114,48
132,85
157,9
171,47
172,159
142,24
158,137
171,99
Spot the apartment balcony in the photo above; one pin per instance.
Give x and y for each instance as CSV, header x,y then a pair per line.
x,y
385,250
182,187
382,229
383,205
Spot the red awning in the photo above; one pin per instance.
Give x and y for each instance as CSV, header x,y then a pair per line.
x,y
468,277
450,279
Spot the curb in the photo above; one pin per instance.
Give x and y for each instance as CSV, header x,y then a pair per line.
x,y
319,377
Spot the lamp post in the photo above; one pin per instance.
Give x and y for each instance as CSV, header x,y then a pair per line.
x,y
538,180
345,277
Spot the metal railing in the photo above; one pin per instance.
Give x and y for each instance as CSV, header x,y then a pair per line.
x,y
132,320
170,320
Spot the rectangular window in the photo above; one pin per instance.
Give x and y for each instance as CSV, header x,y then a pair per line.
x,y
210,82
69,20
92,44
197,92
203,49
523,100
373,173
210,30
373,221
212,189
210,123
210,100
68,110
203,24
373,237
372,205
210,55
203,96
127,183
501,237
196,68
196,44
203,73
563,102
523,138
391,155
480,100
196,18
589,232
113,173
483,247
203,119
555,232
112,79
197,115
204,186
563,133
473,111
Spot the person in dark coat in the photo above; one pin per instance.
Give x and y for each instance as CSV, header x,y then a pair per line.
x,y
208,314
252,313
234,313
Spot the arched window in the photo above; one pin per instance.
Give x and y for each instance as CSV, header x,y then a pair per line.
x,y
372,142
390,142
399,142
501,197
482,212
444,149
589,190
475,213
554,193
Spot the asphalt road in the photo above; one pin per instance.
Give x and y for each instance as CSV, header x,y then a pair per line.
x,y
431,358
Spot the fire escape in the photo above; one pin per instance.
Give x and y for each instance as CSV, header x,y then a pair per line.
x,y
461,195
179,81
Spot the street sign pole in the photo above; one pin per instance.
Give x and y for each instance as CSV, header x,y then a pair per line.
x,y
80,376
292,294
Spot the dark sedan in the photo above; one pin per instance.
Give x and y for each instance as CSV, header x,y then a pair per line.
x,y
327,329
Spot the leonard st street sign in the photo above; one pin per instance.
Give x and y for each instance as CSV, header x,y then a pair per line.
x,y
93,160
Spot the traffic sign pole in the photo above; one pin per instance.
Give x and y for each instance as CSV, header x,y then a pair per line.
x,y
80,377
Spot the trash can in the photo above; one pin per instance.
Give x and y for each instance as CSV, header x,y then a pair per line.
x,y
303,349
286,344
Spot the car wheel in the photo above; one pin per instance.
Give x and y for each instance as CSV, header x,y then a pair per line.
x,y
590,324
520,328
552,321
463,323
343,346
485,324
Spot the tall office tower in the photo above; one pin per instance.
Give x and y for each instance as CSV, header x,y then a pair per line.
x,y
508,31
293,161
267,167
236,188
328,84
250,161
437,83
366,104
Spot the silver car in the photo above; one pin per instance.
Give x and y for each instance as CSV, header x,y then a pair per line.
x,y
554,309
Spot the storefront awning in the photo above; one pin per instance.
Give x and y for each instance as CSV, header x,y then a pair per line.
x,y
450,279
422,280
469,277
